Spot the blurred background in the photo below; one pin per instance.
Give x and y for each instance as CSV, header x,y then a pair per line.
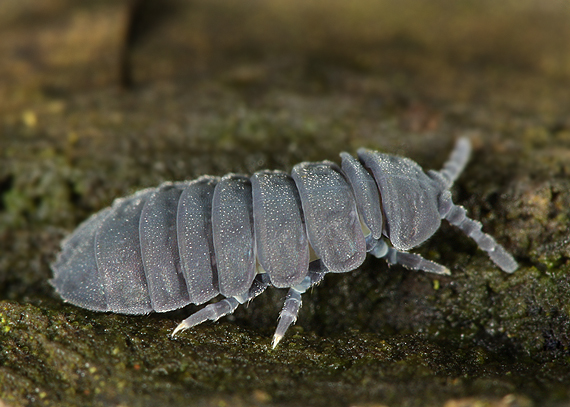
x,y
101,98
56,47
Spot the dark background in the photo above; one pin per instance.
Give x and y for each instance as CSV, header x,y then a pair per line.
x,y
99,99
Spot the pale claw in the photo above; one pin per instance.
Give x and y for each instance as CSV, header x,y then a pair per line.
x,y
212,312
288,315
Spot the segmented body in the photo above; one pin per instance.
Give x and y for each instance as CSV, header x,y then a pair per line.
x,y
186,242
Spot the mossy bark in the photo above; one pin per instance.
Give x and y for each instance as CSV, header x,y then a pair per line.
x,y
99,100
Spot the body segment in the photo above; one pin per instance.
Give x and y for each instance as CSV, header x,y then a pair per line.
x,y
232,229
281,241
119,259
409,198
332,221
195,240
159,249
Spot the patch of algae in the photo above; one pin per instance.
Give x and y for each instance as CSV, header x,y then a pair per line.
x,y
109,359
258,98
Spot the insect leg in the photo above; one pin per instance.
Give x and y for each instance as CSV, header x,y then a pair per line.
x,y
288,314
415,262
379,249
293,301
215,311
457,216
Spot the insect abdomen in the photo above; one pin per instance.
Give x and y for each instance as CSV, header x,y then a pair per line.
x,y
161,249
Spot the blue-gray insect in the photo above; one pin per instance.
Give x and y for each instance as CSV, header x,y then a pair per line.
x,y
186,242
